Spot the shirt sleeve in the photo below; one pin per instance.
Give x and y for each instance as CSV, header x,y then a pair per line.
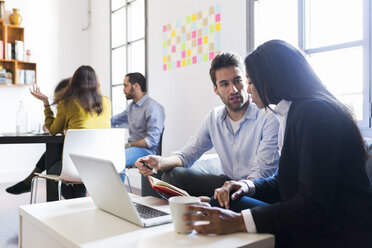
x,y
57,124
196,145
120,119
267,157
155,117
250,226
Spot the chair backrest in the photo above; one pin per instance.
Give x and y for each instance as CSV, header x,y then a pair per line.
x,y
100,143
369,164
159,151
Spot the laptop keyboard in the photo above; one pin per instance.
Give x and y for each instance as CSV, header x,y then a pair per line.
x,y
146,212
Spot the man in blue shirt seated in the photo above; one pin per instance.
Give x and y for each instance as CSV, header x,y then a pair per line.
x,y
144,119
244,137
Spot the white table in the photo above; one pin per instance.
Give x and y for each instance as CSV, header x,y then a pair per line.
x,y
79,223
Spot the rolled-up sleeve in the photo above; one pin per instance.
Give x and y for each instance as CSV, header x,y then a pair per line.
x,y
155,117
196,145
267,157
120,119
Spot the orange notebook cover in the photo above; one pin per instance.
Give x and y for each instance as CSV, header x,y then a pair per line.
x,y
166,188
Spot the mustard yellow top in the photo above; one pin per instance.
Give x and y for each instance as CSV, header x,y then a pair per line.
x,y
74,116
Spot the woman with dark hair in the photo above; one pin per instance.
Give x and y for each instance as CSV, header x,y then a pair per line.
x,y
25,185
321,195
80,105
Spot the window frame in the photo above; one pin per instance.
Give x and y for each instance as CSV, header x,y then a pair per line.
x,y
128,42
366,44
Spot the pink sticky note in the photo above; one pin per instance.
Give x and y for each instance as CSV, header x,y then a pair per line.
x,y
178,63
193,34
218,17
173,49
165,28
194,60
164,67
211,55
183,54
200,41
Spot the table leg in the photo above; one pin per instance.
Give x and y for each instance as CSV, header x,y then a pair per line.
x,y
53,155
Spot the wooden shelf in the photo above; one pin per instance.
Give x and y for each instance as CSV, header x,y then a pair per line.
x,y
9,34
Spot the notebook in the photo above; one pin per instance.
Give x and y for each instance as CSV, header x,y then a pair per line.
x,y
110,195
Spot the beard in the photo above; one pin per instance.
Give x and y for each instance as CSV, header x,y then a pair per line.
x,y
235,107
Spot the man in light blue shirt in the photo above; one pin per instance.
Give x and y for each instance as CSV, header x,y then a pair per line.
x,y
244,137
144,119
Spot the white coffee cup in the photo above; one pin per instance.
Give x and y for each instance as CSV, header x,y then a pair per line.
x,y
178,209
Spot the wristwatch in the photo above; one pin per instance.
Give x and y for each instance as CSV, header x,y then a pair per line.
x,y
127,145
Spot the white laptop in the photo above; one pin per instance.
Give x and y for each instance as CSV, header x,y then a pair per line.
x,y
109,194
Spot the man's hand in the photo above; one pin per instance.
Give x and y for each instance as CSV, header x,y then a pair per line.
x,y
223,194
152,160
221,221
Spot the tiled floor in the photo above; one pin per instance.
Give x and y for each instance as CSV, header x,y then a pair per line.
x,y
9,213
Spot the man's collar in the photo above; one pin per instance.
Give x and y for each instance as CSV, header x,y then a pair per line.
x,y
250,113
142,100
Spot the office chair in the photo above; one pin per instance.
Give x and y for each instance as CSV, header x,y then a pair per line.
x,y
100,143
146,189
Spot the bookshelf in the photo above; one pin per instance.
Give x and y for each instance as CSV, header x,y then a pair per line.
x,y
9,34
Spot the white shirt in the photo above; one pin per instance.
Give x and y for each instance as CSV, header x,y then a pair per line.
x,y
281,114
235,124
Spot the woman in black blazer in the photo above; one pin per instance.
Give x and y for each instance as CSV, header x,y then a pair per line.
x,y
321,195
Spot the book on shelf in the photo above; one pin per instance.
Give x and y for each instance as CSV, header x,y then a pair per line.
x,y
2,76
1,49
19,50
21,76
9,51
30,77
166,188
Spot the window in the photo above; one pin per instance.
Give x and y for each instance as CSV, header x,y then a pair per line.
x,y
128,46
335,34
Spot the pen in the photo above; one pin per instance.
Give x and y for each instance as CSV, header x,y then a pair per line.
x,y
147,166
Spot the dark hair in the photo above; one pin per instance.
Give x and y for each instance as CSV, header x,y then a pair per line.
x,y
61,85
279,71
223,60
85,88
136,77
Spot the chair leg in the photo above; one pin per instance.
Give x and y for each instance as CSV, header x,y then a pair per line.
x,y
33,189
126,175
59,190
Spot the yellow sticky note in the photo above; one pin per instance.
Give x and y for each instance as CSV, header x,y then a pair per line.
x,y
218,26
188,53
205,39
183,62
173,33
193,17
165,59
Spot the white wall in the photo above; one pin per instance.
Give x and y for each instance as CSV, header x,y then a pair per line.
x,y
187,93
53,33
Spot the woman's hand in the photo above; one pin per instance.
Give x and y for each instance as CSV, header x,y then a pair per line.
x,y
35,91
223,194
221,221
